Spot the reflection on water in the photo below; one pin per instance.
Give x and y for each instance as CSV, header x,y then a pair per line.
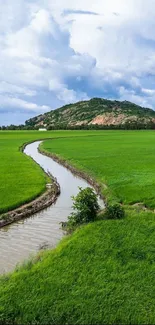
x,y
26,237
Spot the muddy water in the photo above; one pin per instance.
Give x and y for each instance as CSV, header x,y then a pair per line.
x,y
22,239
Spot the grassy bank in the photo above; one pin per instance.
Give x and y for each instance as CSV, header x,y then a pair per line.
x,y
102,274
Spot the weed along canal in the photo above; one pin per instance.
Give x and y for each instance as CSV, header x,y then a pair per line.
x,y
24,238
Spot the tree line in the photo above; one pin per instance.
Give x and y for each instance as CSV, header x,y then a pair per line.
x,y
130,125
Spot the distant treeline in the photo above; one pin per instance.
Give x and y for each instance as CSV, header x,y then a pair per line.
x,y
126,126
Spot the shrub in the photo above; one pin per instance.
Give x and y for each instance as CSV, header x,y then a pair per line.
x,y
114,211
85,206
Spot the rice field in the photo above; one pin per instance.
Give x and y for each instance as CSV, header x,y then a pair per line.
x,y
122,160
21,179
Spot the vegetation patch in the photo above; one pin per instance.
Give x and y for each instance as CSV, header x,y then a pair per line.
x,y
115,211
85,207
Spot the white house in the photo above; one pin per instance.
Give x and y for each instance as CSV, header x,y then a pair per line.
x,y
42,129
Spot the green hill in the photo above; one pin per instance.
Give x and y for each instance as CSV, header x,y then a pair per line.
x,y
95,113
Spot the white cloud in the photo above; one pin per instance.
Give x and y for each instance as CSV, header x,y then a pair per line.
x,y
71,96
6,87
149,92
12,104
131,95
41,22
64,94
48,47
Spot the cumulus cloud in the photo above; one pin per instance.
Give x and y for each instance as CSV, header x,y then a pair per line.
x,y
13,103
8,88
53,53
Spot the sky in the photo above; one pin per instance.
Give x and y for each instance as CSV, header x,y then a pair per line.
x,y
58,52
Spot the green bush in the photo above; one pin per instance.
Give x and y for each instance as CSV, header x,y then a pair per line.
x,y
114,211
85,206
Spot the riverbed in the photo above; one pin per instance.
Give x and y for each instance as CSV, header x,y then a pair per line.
x,y
24,238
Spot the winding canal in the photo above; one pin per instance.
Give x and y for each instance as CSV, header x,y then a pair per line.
x,y
24,238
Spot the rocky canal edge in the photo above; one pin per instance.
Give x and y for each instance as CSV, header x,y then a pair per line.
x,y
42,202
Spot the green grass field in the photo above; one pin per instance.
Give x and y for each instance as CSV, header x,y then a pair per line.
x,y
124,161
20,179
104,273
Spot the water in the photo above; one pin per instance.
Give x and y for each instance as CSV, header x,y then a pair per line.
x,y
23,238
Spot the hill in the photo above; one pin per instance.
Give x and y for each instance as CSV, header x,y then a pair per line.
x,y
96,113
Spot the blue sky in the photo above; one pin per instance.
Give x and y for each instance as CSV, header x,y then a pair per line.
x,y
57,52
